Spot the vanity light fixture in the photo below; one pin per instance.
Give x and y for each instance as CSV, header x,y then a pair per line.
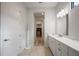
x,y
62,13
58,15
66,10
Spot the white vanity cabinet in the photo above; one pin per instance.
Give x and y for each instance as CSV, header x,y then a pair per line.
x,y
57,48
51,44
64,49
60,47
54,46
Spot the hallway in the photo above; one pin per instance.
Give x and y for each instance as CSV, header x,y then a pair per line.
x,y
36,51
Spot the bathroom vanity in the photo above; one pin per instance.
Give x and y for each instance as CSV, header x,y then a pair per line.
x,y
66,25
62,46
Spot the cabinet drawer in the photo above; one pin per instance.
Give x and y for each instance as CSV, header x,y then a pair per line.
x,y
58,44
58,48
62,49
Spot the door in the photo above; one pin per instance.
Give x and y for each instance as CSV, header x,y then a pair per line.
x,y
58,48
7,38
8,31
38,32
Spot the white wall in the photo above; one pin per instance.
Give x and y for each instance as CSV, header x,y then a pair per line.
x,y
74,23
49,23
13,28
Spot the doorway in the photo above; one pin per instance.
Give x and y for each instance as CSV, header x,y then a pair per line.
x,y
39,28
38,32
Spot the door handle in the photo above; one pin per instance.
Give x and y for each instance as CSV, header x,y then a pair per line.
x,y
5,39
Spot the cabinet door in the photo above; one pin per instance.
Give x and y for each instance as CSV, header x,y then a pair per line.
x,y
51,43
64,49
73,52
58,48
53,46
61,49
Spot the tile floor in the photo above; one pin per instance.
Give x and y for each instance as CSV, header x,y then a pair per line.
x,y
37,50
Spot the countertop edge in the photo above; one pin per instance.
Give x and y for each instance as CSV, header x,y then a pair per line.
x,y
74,44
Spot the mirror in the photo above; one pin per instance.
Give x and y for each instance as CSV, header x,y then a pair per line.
x,y
62,25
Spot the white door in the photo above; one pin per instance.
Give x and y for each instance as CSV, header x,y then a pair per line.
x,y
7,32
13,28
7,41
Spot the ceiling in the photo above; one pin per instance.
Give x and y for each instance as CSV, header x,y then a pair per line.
x,y
40,4
39,16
